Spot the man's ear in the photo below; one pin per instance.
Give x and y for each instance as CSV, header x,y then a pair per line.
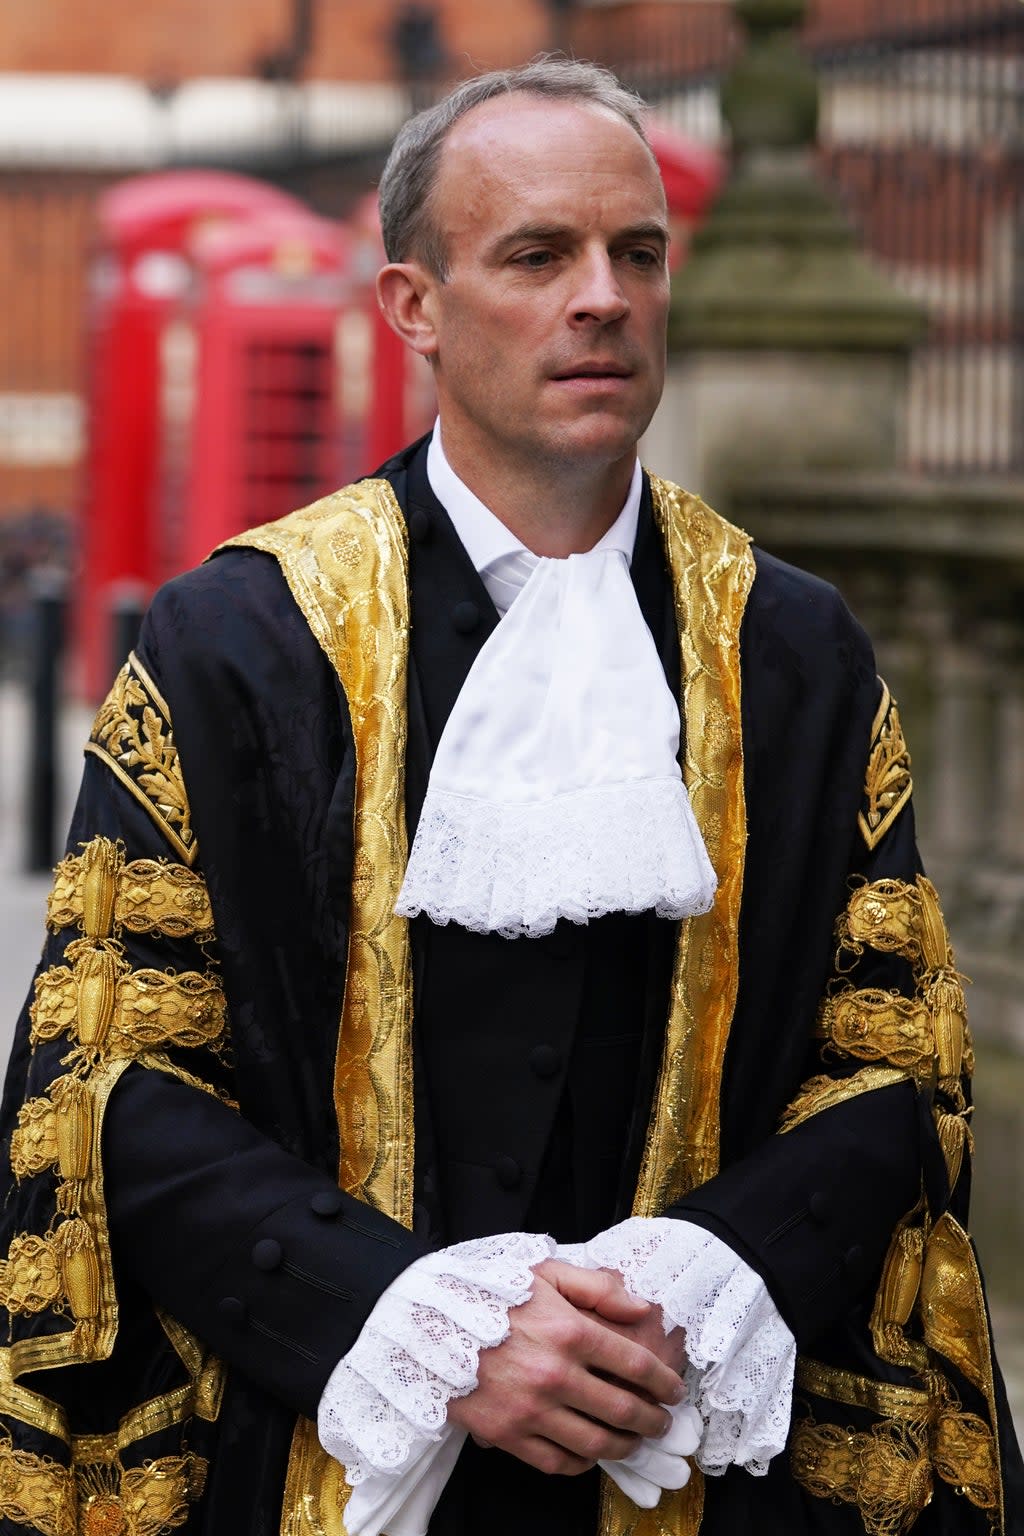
x,y
405,293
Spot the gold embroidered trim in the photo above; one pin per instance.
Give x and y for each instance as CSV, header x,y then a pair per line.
x,y
897,1294
872,1025
99,892
887,782
821,1093
960,1446
345,561
132,734
37,1492
72,1263
118,1012
964,1454
34,1140
879,1397
712,573
146,1501
885,1471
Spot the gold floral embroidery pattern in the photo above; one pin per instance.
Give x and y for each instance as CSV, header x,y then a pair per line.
x,y
926,1034
132,734
872,1025
821,1093
105,1006
37,1492
959,1446
887,783
34,1140
99,892
145,1501
885,1471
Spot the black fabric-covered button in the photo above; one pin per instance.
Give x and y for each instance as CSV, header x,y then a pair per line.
x,y
232,1309
419,525
267,1254
853,1259
820,1206
508,1173
327,1202
545,1061
465,617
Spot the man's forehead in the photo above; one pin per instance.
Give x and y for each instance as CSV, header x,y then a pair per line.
x,y
526,139
554,131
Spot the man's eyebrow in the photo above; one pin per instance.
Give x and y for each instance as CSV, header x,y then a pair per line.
x,y
525,233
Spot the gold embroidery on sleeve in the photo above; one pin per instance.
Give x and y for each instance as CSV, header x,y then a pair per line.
x,y
99,892
109,1008
872,1025
821,1093
132,734
887,783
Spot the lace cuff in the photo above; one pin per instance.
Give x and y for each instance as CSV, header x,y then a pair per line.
x,y
419,1347
740,1353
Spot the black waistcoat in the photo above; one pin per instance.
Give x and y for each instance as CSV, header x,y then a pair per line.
x,y
535,1056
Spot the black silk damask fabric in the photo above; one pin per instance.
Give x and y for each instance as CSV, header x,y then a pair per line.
x,y
224,1210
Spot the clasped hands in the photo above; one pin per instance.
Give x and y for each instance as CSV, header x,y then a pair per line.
x,y
587,1374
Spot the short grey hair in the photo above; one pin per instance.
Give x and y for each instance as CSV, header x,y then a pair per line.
x,y
410,176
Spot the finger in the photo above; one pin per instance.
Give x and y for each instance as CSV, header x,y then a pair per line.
x,y
594,1290
636,1366
537,1451
614,1404
582,1437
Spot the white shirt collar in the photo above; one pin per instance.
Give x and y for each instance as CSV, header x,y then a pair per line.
x,y
486,538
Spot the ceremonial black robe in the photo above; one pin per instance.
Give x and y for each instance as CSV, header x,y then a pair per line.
x,y
220,1149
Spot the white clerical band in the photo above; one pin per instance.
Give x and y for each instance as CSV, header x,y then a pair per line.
x,y
556,791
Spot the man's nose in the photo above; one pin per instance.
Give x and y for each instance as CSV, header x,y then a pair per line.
x,y
598,294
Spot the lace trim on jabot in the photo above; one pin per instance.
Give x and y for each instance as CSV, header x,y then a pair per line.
x,y
741,1355
515,869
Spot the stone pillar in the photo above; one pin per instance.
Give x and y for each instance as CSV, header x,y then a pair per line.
x,y
788,349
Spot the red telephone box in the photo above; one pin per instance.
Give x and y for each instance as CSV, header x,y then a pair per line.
x,y
139,269
251,416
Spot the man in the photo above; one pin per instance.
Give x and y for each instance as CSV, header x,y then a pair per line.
x,y
298,1113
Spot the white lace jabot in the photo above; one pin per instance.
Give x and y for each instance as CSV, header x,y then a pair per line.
x,y
556,790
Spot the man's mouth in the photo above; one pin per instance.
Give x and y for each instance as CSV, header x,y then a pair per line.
x,y
593,371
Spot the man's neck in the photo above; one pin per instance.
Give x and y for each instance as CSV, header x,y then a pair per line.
x,y
555,509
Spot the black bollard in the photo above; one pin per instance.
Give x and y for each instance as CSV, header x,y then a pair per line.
x,y
127,604
48,587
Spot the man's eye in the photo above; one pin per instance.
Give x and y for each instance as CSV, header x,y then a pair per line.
x,y
641,256
534,259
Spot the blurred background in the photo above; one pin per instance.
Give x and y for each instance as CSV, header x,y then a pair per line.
x,y
188,239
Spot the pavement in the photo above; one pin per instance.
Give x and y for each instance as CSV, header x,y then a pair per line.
x,y
23,908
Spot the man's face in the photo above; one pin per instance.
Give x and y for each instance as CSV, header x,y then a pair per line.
x,y
548,337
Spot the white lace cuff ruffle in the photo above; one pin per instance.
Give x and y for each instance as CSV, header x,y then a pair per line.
x,y
740,1353
386,1400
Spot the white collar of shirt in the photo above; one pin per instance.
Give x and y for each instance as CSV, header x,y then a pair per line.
x,y
486,538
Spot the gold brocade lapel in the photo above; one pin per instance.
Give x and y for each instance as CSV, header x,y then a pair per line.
x,y
345,561
712,571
